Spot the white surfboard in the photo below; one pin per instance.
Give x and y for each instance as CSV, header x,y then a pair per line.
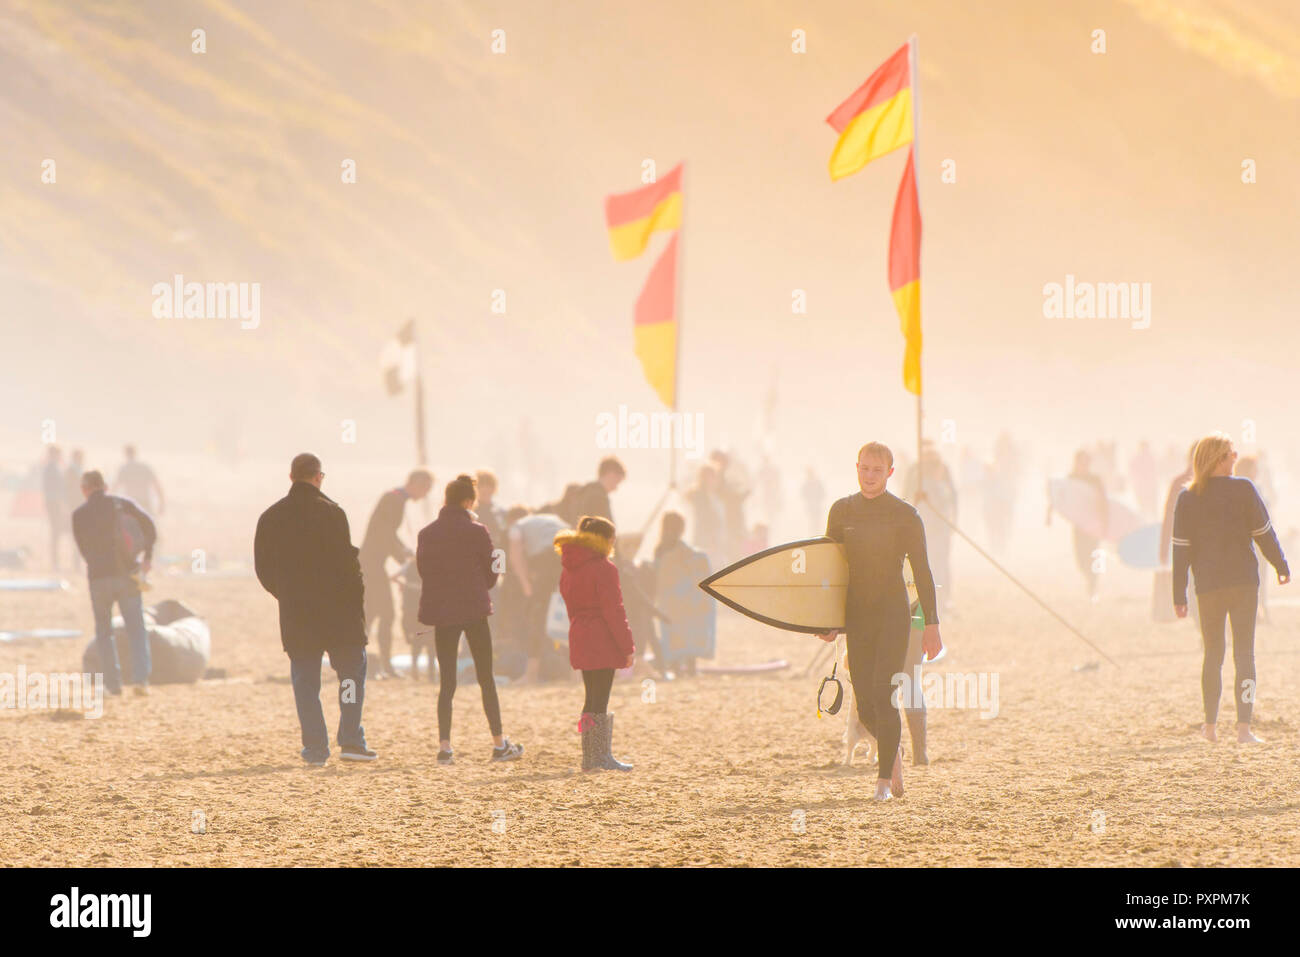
x,y
1079,503
800,586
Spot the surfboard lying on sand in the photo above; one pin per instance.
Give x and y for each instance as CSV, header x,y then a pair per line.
x,y
33,584
1079,504
800,586
38,634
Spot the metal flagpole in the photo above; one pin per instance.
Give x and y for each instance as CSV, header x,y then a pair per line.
x,y
421,446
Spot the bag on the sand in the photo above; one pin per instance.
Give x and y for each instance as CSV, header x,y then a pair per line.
x,y
180,645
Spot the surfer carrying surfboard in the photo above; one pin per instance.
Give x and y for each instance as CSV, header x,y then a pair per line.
x,y
878,531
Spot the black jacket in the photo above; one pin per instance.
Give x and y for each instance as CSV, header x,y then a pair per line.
x,y
99,527
304,556
454,557
1212,534
594,500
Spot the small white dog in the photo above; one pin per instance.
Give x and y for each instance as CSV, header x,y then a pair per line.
x,y
855,732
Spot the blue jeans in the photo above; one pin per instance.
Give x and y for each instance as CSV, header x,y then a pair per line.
x,y
122,590
304,670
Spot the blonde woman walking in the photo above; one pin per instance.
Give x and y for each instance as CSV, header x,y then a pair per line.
x,y
1216,519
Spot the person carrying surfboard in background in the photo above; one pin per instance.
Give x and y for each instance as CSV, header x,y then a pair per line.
x,y
878,531
600,640
1216,518
1084,542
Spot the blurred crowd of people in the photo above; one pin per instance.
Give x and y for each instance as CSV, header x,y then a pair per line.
x,y
61,494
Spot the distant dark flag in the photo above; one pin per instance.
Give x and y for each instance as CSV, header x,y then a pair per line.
x,y
398,359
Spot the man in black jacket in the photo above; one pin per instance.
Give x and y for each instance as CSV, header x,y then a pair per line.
x,y
380,544
110,533
304,556
593,499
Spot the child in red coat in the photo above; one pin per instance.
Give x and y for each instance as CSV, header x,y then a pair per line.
x,y
600,641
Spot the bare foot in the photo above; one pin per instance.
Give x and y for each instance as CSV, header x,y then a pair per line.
x,y
882,790
1208,732
1245,737
896,782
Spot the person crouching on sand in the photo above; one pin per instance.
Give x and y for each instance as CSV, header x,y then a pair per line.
x,y
455,561
600,641
1215,520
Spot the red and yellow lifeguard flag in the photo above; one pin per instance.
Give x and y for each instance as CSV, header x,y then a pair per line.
x,y
905,273
876,119
632,216
655,330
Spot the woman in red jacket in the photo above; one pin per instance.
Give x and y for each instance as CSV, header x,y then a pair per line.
x,y
600,641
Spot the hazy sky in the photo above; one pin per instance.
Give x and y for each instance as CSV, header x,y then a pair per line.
x,y
479,171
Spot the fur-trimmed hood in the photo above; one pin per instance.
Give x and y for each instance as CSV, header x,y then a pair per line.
x,y
575,543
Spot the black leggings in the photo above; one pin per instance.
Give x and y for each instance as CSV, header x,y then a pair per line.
x,y
1238,604
598,684
876,640
446,639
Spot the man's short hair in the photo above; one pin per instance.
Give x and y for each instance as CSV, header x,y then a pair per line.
x,y
420,477
611,464
487,480
93,479
877,450
304,467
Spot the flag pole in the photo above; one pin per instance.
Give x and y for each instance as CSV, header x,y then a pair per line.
x,y
421,449
916,178
421,445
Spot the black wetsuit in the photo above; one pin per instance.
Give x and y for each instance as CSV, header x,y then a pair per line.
x,y
878,533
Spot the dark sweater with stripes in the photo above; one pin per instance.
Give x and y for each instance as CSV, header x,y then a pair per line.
x,y
1213,531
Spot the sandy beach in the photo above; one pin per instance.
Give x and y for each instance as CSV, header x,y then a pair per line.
x,y
1100,766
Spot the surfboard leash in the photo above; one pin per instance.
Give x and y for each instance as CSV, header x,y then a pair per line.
x,y
834,707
